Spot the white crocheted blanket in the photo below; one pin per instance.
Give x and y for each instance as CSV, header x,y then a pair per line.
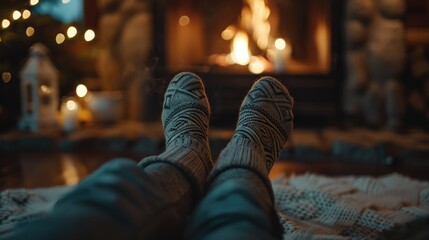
x,y
318,207
310,206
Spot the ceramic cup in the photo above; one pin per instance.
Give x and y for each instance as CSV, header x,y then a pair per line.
x,y
105,106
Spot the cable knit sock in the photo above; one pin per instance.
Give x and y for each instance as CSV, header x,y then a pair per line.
x,y
264,125
185,119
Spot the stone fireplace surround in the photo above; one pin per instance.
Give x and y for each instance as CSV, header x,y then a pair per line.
x,y
321,99
317,95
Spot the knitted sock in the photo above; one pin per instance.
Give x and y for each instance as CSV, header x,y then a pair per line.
x,y
264,125
185,119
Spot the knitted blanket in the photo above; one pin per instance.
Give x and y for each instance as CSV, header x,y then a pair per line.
x,y
318,207
310,206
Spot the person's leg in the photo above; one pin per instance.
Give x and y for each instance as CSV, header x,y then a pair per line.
x,y
239,203
185,118
148,201
118,201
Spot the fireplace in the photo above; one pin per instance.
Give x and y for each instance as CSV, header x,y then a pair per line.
x,y
232,42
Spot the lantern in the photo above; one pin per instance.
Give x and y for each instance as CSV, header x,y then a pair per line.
x,y
39,91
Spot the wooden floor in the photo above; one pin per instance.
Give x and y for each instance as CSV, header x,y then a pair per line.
x,y
44,169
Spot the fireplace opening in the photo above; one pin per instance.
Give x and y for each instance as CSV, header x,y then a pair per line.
x,y
248,36
229,43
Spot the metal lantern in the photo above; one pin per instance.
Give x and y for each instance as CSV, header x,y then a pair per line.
x,y
39,91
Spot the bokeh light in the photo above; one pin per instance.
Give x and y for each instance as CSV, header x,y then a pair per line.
x,y
81,90
89,35
71,32
60,38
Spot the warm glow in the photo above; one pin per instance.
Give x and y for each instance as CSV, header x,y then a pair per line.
x,y
256,66
255,19
5,23
89,35
323,45
240,48
228,33
184,20
71,105
16,15
280,44
26,14
71,32
70,172
60,38
66,1
45,89
34,2
6,77
253,24
29,31
81,90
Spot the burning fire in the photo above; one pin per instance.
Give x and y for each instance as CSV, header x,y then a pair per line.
x,y
253,21
240,52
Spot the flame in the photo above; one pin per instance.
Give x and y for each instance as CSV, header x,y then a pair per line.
x,y
254,19
240,48
253,23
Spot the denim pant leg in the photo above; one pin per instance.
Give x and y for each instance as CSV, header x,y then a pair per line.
x,y
238,205
118,201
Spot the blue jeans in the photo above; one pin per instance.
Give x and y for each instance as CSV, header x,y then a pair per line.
x,y
122,201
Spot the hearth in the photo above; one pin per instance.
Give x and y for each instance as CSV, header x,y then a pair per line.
x,y
232,42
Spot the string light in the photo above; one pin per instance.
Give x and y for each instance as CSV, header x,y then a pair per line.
x,y
29,31
16,15
66,1
5,23
6,76
81,90
89,35
34,2
26,14
60,38
71,32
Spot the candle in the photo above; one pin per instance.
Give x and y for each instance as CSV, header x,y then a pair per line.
x,y
70,113
280,55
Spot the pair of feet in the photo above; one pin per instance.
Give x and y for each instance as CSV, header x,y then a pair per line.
x,y
264,125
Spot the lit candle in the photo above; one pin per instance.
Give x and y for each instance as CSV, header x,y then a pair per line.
x,y
70,114
281,54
